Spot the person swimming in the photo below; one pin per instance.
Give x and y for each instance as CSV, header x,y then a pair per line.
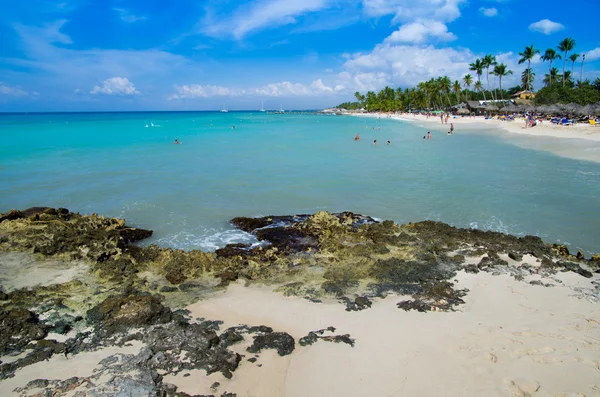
x,y
375,142
428,135
388,142
176,142
356,137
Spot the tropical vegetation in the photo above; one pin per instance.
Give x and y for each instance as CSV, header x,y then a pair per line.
x,y
442,92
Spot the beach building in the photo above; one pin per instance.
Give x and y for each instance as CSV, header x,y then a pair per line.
x,y
524,95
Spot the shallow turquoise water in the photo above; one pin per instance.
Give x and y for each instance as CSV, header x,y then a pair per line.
x,y
284,164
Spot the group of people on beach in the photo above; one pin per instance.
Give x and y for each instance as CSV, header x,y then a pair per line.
x,y
443,117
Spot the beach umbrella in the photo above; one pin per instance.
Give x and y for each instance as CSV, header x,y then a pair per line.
x,y
463,111
553,109
572,108
543,109
587,110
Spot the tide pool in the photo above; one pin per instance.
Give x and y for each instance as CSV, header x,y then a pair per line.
x,y
126,165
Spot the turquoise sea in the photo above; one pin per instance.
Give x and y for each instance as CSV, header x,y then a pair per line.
x,y
126,165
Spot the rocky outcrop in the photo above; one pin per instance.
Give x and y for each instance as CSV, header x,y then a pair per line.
x,y
315,336
132,293
123,312
18,327
280,341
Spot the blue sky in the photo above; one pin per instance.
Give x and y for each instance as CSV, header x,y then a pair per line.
x,y
76,55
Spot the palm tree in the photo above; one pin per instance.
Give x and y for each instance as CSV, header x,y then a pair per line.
x,y
527,78
568,79
359,97
488,61
501,71
573,58
550,55
477,67
581,73
527,56
467,81
477,86
444,84
456,89
551,76
565,46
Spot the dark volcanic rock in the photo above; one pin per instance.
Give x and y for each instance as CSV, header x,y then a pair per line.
x,y
281,341
440,296
359,303
202,347
314,336
11,215
515,257
232,250
122,312
131,234
250,224
18,327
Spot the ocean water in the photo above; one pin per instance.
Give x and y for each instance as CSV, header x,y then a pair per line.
x,y
126,165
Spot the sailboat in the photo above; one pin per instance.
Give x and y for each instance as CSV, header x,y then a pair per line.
x,y
224,110
281,106
262,106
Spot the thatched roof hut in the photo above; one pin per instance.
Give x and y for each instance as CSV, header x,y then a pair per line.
x,y
511,108
475,105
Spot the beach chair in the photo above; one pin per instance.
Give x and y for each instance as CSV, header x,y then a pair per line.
x,y
565,121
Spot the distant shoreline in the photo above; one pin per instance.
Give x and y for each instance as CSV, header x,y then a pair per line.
x,y
271,111
580,141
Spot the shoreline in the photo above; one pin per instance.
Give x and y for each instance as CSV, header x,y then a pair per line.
x,y
583,140
337,303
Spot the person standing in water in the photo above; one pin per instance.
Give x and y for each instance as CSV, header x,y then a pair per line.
x,y
176,142
428,135
451,128
356,138
375,142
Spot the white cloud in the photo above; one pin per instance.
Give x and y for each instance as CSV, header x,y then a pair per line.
x,y
70,68
13,91
258,15
536,60
489,12
115,86
281,89
410,10
127,16
546,26
407,65
593,54
202,91
421,31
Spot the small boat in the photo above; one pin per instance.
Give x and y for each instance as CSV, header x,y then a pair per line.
x,y
262,107
224,110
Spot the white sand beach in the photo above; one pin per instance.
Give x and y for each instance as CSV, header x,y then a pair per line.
x,y
580,141
509,339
